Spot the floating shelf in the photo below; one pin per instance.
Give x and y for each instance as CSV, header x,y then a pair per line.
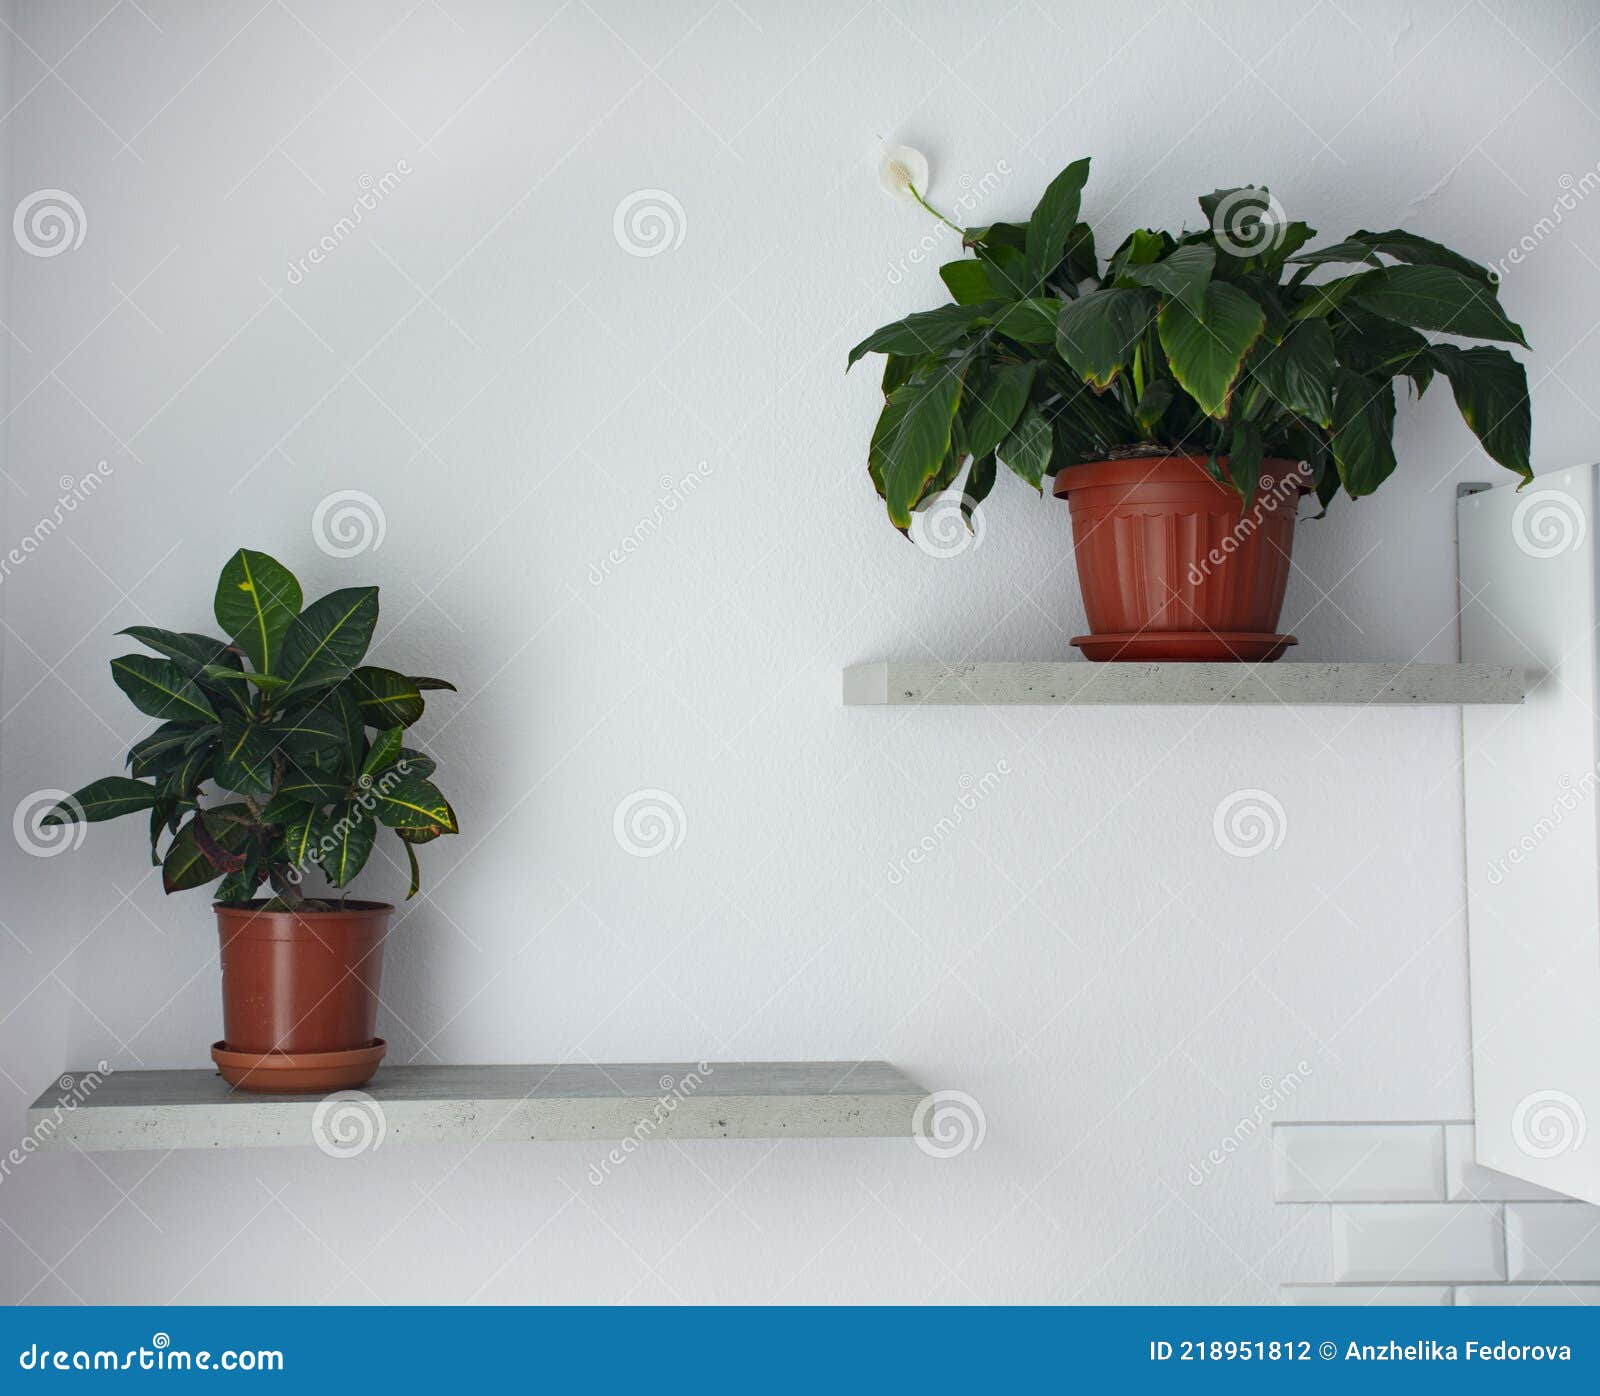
x,y
907,683
472,1104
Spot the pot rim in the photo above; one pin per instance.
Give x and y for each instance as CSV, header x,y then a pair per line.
x,y
1163,469
256,907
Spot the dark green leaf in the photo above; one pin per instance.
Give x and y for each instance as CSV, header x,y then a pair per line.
x,y
980,480
1408,247
344,838
1096,333
1244,460
1153,403
300,836
183,778
1363,427
416,872
166,741
193,650
102,799
329,637
386,698
1026,452
313,786
926,332
1491,389
991,410
161,687
239,887
1029,321
1139,248
220,841
1436,298
425,684
1205,355
384,751
257,597
412,801
1081,262
913,437
1183,274
1052,223
1298,372
414,763
315,735
185,866
968,282
1347,251
244,759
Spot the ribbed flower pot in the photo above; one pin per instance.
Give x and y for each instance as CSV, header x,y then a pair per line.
x,y
300,996
1173,567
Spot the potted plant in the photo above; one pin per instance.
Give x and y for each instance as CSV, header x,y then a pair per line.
x,y
1183,394
309,746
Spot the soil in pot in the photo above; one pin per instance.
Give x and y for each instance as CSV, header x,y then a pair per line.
x,y
1172,566
299,994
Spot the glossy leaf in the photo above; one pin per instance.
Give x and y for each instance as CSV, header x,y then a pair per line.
x,y
344,837
384,751
1297,373
968,282
926,332
1436,298
1363,425
416,872
991,410
1491,390
913,436
165,743
106,798
1026,452
189,648
1096,333
1029,321
185,865
412,801
1205,355
244,762
386,699
1184,274
426,684
330,636
257,598
1052,223
162,688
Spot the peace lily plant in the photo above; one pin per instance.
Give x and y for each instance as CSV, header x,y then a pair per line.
x,y
1185,390
1215,341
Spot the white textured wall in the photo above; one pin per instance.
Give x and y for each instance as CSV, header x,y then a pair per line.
x,y
514,389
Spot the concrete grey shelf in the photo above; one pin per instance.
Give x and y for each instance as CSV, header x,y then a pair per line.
x,y
907,683
472,1104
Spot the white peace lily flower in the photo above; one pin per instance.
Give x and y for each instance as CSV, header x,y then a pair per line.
x,y
903,172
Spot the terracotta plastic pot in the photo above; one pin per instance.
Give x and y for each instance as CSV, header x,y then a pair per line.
x,y
299,995
1171,564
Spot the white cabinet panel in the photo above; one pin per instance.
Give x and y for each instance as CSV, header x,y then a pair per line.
x,y
1528,568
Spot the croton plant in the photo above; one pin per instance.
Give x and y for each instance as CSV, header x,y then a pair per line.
x,y
1215,341
281,715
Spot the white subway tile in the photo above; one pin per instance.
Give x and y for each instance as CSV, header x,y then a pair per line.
x,y
1401,1241
1468,1180
1358,1163
1553,1240
1529,1296
1323,1296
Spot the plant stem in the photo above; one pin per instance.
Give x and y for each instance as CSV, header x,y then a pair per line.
x,y
960,232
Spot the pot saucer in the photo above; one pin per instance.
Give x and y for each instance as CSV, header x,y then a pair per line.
x,y
275,1072
1224,646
